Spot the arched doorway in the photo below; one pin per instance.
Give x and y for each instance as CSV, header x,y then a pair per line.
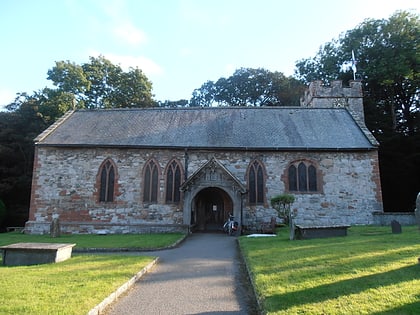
x,y
210,194
211,208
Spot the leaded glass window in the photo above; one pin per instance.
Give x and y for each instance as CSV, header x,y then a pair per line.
x,y
256,183
302,176
173,182
151,182
107,182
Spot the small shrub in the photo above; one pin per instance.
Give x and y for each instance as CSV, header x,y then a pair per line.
x,y
282,204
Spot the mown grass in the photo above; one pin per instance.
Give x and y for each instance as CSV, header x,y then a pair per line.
x,y
138,241
76,285
371,271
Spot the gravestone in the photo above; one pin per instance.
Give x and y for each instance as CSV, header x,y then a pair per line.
x,y
291,226
55,228
292,230
396,227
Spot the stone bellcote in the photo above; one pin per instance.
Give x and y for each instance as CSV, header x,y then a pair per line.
x,y
335,95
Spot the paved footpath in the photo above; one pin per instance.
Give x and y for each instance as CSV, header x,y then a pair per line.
x,y
204,275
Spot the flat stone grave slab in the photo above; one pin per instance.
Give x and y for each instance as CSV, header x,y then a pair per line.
x,y
308,232
25,254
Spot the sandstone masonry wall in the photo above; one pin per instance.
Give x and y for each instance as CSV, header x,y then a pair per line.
x,y
65,186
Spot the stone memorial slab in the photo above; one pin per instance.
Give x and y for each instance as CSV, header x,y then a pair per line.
x,y
308,232
25,254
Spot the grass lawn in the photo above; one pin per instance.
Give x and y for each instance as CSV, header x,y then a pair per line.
x,y
76,285
371,271
139,241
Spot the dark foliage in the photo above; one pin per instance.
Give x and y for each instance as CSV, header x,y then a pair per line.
x,y
249,87
17,131
388,65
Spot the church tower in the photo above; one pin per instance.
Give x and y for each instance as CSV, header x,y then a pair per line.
x,y
320,96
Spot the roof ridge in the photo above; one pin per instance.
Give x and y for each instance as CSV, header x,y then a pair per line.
x,y
54,126
215,108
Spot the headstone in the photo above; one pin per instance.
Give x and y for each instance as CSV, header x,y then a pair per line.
x,y
396,227
291,227
55,228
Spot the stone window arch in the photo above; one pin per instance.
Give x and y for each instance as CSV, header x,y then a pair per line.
x,y
173,176
256,182
107,181
303,176
151,181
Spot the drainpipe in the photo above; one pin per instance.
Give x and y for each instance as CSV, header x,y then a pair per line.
x,y
242,208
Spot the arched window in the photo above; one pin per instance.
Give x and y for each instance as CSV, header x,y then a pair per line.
x,y
107,181
312,183
256,183
150,182
173,182
302,176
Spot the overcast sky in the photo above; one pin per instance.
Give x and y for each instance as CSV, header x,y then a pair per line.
x,y
179,44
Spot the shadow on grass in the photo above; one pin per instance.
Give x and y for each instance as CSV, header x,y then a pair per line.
x,y
334,259
282,302
407,309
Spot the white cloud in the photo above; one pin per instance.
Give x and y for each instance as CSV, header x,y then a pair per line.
x,y
129,34
120,23
230,69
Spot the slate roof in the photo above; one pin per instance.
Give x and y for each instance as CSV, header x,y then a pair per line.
x,y
253,128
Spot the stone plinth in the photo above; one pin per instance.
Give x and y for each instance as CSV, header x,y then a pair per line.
x,y
308,232
24,254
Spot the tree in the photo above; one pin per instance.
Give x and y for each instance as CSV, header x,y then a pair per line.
x,y
168,103
282,204
101,84
249,87
98,84
132,89
2,213
18,128
205,95
46,104
388,64
69,77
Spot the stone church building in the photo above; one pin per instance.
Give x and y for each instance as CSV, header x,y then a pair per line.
x,y
172,169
